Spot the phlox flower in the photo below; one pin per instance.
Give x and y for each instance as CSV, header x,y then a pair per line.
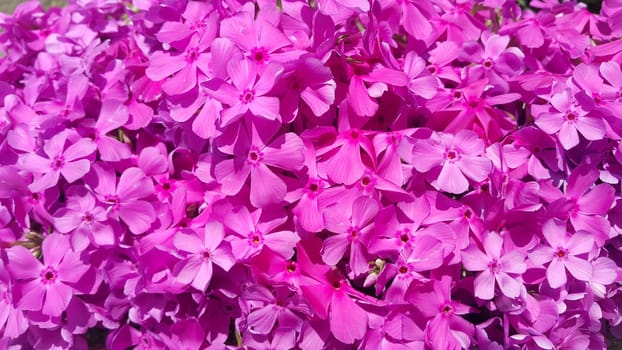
x,y
181,70
310,82
257,36
566,118
67,161
46,286
496,266
351,227
445,329
280,304
456,158
125,198
202,252
562,253
86,219
254,231
331,297
248,92
255,147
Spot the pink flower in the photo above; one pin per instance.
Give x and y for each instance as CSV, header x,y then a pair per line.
x,y
126,198
445,329
457,158
496,266
46,286
351,227
254,231
184,67
330,296
247,92
256,147
562,253
567,118
60,160
86,219
202,252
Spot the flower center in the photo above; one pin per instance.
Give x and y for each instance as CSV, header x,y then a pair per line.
x,y
88,218
291,267
404,238
48,275
571,117
365,181
494,266
488,63
403,269
192,55
247,96
58,162
255,156
452,155
353,233
259,55
255,239
561,253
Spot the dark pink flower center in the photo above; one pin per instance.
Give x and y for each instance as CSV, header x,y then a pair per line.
x,y
58,162
365,181
404,238
255,156
571,117
452,155
255,239
474,103
353,233
192,55
247,96
494,266
88,218
561,253
488,63
259,55
48,275
291,267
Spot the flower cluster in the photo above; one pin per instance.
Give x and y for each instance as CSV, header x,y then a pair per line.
x,y
323,174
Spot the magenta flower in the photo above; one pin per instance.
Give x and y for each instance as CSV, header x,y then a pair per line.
x,y
125,199
496,266
562,253
259,38
203,251
445,328
311,82
280,305
257,147
68,161
567,118
183,68
254,231
86,219
247,92
46,286
455,157
351,228
331,297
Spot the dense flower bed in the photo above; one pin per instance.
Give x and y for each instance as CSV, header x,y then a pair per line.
x,y
387,174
